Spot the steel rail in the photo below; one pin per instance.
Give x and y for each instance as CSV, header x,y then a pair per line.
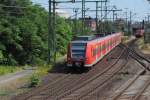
x,y
42,93
33,93
107,79
131,81
91,94
139,94
133,51
90,80
146,67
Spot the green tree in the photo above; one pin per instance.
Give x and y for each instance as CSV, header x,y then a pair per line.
x,y
24,32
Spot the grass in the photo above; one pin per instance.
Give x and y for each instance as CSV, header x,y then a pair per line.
x,y
42,70
125,39
8,69
23,84
4,93
39,72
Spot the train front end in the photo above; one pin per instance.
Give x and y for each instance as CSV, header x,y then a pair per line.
x,y
139,33
76,54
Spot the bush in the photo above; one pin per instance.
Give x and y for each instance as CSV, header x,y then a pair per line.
x,y
35,81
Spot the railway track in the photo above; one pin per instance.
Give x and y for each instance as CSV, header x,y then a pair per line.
x,y
85,85
145,62
120,93
131,81
100,78
53,78
146,66
93,91
62,87
139,94
71,85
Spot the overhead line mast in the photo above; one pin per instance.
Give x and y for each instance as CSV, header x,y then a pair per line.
x,y
83,16
49,32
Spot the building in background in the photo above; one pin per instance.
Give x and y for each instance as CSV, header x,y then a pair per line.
x,y
90,23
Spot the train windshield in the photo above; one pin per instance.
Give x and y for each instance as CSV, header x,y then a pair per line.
x,y
78,50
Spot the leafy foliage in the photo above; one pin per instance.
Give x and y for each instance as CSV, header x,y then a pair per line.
x,y
35,80
24,32
8,69
63,34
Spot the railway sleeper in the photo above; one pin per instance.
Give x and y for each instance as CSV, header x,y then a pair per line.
x,y
143,65
133,51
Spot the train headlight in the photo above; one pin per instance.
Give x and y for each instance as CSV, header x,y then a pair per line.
x,y
86,59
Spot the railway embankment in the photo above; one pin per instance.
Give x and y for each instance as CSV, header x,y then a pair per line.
x,y
11,84
99,82
137,87
18,82
144,47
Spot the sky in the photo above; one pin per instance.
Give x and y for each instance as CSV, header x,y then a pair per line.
x,y
140,7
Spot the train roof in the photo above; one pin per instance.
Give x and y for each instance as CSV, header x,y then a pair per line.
x,y
85,39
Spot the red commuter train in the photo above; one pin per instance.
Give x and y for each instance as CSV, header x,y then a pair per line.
x,y
138,32
86,51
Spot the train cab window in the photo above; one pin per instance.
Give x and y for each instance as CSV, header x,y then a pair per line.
x,y
78,50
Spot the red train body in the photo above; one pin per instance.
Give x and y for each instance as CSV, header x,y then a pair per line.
x,y
138,32
87,52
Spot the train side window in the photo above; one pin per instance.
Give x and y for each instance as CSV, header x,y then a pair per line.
x,y
108,44
111,43
94,52
103,46
100,48
97,49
